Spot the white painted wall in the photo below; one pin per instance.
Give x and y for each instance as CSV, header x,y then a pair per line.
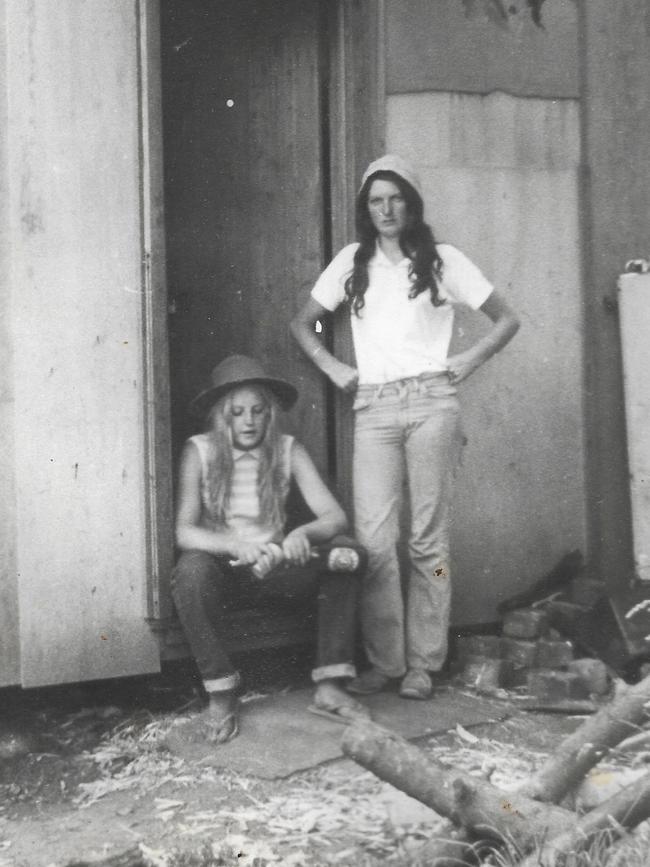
x,y
72,225
500,176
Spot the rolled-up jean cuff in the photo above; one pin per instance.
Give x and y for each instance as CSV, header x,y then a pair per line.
x,y
329,672
222,684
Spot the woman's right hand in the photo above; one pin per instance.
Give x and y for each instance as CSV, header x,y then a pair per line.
x,y
247,553
342,375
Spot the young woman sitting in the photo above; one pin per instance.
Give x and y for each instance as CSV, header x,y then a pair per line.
x,y
234,482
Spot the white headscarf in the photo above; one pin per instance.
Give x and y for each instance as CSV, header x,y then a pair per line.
x,y
398,165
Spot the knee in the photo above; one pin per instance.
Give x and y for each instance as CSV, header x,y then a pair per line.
x,y
195,570
429,550
347,555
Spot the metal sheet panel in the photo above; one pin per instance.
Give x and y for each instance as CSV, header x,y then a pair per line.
x,y
448,45
500,177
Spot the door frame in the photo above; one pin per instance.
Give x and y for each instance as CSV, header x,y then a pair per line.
x,y
356,123
158,493
357,109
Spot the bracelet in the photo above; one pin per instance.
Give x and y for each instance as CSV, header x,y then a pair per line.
x,y
316,351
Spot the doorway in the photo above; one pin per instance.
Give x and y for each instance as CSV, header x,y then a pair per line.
x,y
244,86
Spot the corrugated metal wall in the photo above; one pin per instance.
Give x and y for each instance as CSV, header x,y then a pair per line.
x,y
501,182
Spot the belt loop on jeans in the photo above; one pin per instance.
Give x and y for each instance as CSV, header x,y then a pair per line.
x,y
380,389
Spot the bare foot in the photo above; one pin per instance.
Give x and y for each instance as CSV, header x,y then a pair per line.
x,y
221,717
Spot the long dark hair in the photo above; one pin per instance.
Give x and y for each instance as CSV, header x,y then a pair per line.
x,y
417,243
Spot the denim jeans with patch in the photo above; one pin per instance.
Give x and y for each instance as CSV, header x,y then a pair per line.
x,y
407,443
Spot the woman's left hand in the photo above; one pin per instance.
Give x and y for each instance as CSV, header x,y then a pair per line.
x,y
297,547
460,366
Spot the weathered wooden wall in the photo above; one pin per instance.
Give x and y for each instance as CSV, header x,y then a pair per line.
x,y
74,465
72,226
244,193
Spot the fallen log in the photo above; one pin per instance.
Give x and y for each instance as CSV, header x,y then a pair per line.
x,y
620,813
468,801
577,754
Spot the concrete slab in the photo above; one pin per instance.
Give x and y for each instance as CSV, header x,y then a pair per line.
x,y
278,736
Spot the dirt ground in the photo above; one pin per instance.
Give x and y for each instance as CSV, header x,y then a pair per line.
x,y
84,775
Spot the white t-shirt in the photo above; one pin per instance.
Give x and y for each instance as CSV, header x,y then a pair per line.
x,y
396,336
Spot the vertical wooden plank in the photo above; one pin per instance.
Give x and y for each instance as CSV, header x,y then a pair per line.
x,y
9,637
155,338
244,192
634,306
615,62
357,112
286,197
78,359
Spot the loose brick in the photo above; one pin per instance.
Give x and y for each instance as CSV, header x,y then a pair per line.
x,y
486,674
554,654
525,623
556,686
593,673
521,653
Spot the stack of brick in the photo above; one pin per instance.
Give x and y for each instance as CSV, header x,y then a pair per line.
x,y
529,655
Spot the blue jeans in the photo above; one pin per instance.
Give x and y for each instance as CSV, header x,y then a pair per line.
x,y
407,441
206,589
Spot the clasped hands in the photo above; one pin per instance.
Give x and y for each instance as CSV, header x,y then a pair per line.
x,y
262,557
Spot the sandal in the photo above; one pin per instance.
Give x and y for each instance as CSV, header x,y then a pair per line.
x,y
223,731
200,729
416,684
344,713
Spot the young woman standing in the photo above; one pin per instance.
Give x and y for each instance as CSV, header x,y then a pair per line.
x,y
401,288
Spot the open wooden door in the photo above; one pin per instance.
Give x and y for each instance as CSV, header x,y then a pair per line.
x,y
243,144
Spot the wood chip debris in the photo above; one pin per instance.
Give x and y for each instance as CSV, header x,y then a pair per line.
x,y
330,808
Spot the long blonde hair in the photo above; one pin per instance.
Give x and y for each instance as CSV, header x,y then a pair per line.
x,y
272,478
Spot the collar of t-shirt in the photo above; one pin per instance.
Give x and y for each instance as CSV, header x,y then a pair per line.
x,y
382,259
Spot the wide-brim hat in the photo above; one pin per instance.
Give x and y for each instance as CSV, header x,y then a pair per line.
x,y
399,166
237,371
